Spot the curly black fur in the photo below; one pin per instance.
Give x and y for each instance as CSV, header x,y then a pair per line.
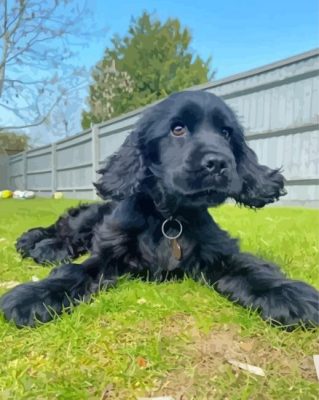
x,y
187,153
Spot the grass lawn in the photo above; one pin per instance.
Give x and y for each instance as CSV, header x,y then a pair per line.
x,y
144,339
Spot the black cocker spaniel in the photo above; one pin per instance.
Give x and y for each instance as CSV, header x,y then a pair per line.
x,y
186,153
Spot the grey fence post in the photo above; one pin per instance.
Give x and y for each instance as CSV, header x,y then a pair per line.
x,y
24,172
95,156
53,167
4,172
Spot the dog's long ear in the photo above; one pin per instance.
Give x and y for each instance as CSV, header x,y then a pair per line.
x,y
260,184
122,172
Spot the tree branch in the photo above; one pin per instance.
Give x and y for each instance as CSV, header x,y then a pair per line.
x,y
36,123
5,46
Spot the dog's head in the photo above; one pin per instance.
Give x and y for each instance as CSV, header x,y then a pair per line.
x,y
191,147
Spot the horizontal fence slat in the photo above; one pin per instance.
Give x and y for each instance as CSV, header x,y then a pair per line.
x,y
43,171
71,145
28,155
72,189
71,167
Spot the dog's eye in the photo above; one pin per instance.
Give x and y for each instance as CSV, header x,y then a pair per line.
x,y
226,132
178,129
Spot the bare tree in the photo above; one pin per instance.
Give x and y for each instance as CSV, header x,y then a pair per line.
x,y
66,115
37,65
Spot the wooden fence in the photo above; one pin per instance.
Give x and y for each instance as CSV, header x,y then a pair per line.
x,y
278,105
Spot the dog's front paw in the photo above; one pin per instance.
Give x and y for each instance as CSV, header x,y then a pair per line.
x,y
291,304
26,242
31,302
37,244
41,301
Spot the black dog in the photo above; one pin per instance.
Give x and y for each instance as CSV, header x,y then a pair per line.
x,y
187,153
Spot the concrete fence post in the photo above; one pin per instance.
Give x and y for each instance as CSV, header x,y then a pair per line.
x,y
53,168
4,172
24,171
95,131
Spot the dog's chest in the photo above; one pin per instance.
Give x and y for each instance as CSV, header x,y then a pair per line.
x,y
163,253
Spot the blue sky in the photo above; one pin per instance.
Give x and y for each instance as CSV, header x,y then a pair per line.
x,y
239,35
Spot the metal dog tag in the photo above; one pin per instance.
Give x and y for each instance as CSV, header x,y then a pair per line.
x,y
176,249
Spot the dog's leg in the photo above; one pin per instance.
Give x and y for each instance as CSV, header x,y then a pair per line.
x,y
64,287
27,242
260,285
68,238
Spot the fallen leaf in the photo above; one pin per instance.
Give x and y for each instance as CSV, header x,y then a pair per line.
x,y
246,346
247,367
141,362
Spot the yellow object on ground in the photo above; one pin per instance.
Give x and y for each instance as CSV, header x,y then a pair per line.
x,y
58,195
5,194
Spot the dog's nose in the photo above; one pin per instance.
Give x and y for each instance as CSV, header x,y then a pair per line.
x,y
214,164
